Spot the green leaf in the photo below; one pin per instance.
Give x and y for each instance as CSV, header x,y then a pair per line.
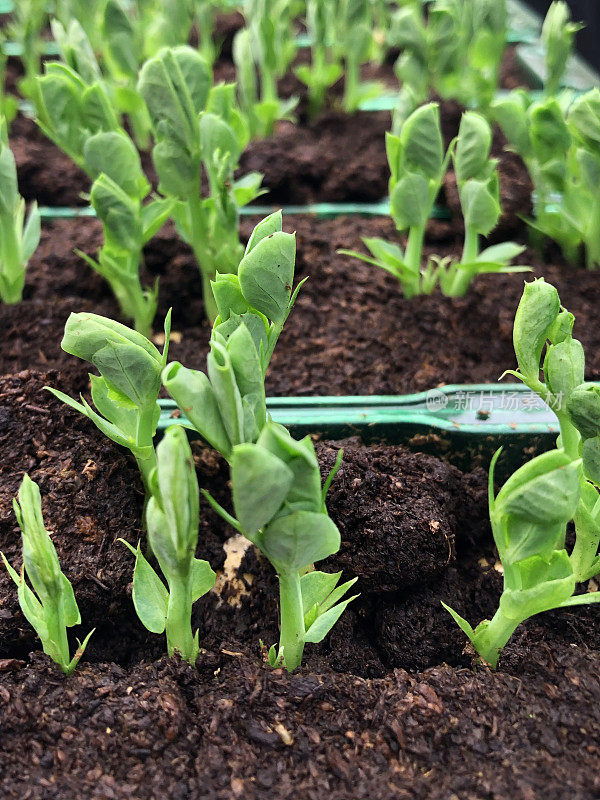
x,y
295,541
471,156
421,140
388,252
325,622
581,600
584,118
218,137
119,213
246,363
549,132
511,115
591,459
67,604
265,228
336,595
545,490
9,192
175,85
114,154
193,393
31,233
480,207
584,409
150,597
30,606
154,216
547,584
177,170
202,580
248,188
460,621
260,482
228,297
537,312
266,274
172,511
564,368
81,646
501,253
305,491
225,388
316,587
409,201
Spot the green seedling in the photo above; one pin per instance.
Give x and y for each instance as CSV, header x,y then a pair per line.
x,y
543,340
418,165
49,604
118,197
172,518
18,238
529,519
198,127
280,507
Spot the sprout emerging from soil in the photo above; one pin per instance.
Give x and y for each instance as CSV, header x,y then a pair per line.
x,y
50,606
418,165
172,518
18,238
529,516
280,507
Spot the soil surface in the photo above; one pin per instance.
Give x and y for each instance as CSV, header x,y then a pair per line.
x,y
351,332
390,705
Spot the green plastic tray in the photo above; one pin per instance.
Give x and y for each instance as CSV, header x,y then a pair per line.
x,y
463,423
321,210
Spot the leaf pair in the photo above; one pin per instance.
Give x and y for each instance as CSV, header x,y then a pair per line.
x,y
126,392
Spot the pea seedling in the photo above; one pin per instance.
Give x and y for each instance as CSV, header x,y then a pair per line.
x,y
543,339
194,127
49,606
18,238
280,507
529,516
172,518
418,165
118,193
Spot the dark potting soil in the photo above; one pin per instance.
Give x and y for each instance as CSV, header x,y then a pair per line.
x,y
373,713
351,332
338,157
